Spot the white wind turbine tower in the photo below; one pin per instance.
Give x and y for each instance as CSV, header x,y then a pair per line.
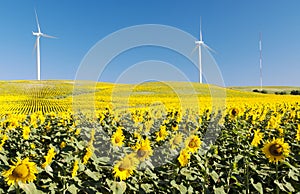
x,y
199,44
38,35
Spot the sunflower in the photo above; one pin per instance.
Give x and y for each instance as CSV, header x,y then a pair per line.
x,y
273,123
234,112
257,137
118,137
75,168
143,149
26,132
62,145
125,167
22,170
161,134
78,130
193,143
88,154
276,150
32,146
184,157
50,155
175,126
176,140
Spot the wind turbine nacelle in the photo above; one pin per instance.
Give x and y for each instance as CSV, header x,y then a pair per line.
x,y
198,42
37,34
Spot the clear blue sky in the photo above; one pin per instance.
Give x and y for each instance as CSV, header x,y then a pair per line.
x,y
230,27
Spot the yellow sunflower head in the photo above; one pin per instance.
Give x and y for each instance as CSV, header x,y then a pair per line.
x,y
118,138
175,126
273,123
161,134
26,132
257,138
88,154
22,170
193,143
234,112
75,168
276,150
184,157
48,158
62,144
143,149
125,167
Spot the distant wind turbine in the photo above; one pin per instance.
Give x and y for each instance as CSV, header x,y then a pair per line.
x,y
199,44
38,35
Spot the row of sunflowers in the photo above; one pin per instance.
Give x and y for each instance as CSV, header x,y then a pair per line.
x,y
248,148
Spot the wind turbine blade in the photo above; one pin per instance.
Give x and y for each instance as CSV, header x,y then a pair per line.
x,y
37,21
48,36
194,49
34,48
200,29
210,49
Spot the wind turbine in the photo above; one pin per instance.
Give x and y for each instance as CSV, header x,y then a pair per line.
x,y
38,35
199,44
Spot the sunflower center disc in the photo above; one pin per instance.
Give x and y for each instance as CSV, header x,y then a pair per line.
x,y
118,139
125,165
141,153
20,171
276,150
192,144
234,112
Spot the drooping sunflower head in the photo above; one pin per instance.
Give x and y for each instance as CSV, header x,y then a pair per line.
x,y
193,143
143,149
276,150
22,170
125,167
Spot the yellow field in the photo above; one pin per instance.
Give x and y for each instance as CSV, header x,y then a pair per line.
x,y
25,97
171,137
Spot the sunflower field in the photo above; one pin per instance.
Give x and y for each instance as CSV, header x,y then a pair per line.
x,y
150,138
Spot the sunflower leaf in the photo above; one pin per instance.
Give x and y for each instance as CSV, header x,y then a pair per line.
x,y
147,187
257,186
219,190
280,185
293,175
93,175
29,188
214,176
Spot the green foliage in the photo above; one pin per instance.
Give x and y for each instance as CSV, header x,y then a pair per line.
x,y
228,165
